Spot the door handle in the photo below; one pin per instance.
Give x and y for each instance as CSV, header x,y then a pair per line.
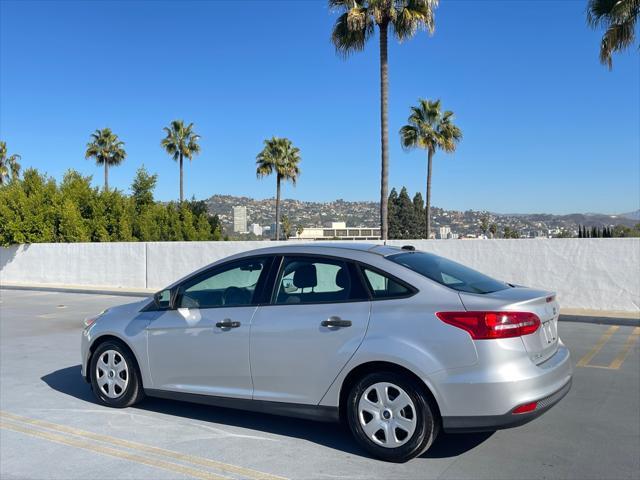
x,y
227,323
335,322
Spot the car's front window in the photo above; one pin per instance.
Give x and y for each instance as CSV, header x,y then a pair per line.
x,y
449,273
230,286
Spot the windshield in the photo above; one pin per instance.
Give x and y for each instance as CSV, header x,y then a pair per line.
x,y
448,273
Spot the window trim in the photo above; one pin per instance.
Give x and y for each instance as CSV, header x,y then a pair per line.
x,y
275,263
221,268
350,263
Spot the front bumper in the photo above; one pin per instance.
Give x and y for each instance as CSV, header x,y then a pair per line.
x,y
498,422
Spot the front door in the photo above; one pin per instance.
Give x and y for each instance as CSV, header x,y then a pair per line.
x,y
317,320
202,346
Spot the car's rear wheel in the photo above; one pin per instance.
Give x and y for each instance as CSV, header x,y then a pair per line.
x,y
390,416
115,378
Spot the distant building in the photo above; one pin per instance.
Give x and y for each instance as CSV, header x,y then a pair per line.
x,y
255,229
240,219
444,232
339,231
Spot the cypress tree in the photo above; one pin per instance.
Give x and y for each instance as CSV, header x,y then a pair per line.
x,y
392,215
405,215
419,216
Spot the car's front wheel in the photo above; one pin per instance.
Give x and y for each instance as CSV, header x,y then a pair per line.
x,y
114,376
390,417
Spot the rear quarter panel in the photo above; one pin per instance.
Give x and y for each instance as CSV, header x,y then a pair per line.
x,y
407,333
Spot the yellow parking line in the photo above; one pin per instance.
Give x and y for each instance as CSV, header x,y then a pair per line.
x,y
633,337
584,361
205,462
112,452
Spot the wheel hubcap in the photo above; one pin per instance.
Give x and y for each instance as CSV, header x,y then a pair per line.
x,y
112,374
387,415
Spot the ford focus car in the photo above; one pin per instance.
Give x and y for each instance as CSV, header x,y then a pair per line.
x,y
399,344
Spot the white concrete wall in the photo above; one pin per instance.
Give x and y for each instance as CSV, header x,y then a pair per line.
x,y
587,274
117,265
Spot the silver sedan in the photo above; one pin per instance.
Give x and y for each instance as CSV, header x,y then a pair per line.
x,y
397,343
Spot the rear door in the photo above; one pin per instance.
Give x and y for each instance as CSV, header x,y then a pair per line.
x,y
317,319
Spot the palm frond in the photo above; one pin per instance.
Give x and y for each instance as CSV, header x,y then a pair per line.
x,y
429,128
409,137
351,31
105,147
180,140
619,18
279,155
414,15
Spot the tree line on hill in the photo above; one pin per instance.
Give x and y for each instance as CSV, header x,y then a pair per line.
x,y
608,232
35,209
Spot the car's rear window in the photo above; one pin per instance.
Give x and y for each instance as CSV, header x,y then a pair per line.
x,y
448,273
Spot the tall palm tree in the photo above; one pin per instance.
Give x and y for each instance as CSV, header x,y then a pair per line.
x,y
106,149
350,34
181,141
619,18
431,130
279,156
9,166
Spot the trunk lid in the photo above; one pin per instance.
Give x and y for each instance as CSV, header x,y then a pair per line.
x,y
541,344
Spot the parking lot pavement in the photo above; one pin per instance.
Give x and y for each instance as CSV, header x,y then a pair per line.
x,y
52,428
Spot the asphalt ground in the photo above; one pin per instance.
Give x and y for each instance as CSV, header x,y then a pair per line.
x,y
51,427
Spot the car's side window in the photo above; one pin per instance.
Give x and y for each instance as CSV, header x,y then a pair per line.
x,y
317,280
382,286
230,286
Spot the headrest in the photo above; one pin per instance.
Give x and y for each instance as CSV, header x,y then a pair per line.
x,y
236,296
305,276
342,278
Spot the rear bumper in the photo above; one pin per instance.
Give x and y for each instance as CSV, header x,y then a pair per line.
x,y
509,420
483,396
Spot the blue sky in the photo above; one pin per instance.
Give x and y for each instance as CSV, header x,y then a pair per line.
x,y
546,127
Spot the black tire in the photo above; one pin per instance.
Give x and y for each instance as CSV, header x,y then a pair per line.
x,y
427,424
133,391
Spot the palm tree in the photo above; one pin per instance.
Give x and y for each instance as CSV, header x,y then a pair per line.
x,y
619,18
279,156
9,166
181,141
431,130
350,34
107,149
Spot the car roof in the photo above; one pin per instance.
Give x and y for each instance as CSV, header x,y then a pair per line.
x,y
345,246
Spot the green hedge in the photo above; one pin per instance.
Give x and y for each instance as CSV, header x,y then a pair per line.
x,y
36,209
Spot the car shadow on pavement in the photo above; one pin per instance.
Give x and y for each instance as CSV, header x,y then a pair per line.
x,y
69,381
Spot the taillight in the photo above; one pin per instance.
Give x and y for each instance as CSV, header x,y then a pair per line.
x,y
488,325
